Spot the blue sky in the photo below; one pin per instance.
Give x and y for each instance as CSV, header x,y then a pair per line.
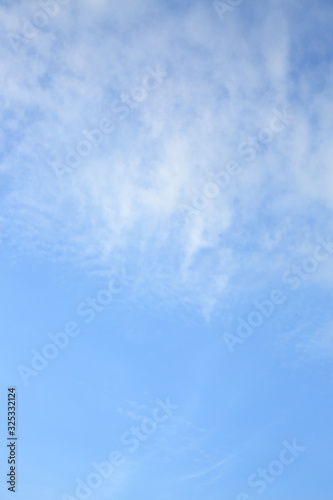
x,y
166,248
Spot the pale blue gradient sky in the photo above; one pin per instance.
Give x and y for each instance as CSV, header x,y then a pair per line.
x,y
122,207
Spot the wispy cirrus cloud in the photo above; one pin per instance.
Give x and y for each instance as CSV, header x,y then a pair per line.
x,y
213,468
316,344
124,200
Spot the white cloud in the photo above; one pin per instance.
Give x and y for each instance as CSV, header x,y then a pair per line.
x,y
213,468
123,201
318,344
